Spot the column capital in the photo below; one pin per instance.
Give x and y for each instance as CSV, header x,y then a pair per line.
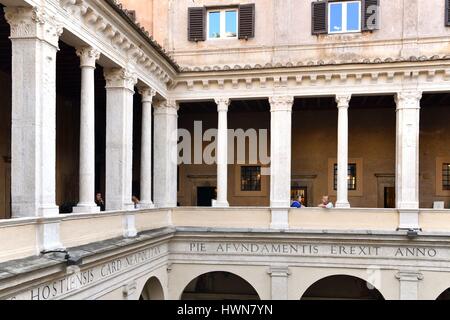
x,y
33,22
147,94
409,275
408,99
120,78
222,104
343,100
167,107
281,103
279,271
88,56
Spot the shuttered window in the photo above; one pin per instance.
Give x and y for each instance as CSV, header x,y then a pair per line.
x,y
370,15
340,16
447,12
319,17
196,24
221,23
247,21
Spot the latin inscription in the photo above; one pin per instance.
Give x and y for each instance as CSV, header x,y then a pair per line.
x,y
78,280
312,250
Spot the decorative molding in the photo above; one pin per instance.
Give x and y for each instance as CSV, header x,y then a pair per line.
x,y
88,56
120,78
33,22
287,65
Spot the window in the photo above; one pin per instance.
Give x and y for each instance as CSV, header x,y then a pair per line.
x,y
344,17
351,176
446,176
250,178
222,24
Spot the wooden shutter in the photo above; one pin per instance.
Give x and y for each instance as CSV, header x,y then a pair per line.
x,y
319,22
246,21
447,13
370,18
197,24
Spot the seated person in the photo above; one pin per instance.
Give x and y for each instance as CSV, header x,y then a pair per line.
x,y
326,203
297,203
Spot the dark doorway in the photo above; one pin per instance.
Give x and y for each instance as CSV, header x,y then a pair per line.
x,y
389,197
205,195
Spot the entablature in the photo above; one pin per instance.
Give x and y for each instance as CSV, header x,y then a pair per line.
x,y
314,80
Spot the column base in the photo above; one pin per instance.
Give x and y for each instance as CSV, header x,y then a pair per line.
x,y
48,237
280,219
220,204
146,205
129,226
344,205
88,208
409,219
50,211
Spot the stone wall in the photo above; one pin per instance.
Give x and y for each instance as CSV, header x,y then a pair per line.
x,y
287,27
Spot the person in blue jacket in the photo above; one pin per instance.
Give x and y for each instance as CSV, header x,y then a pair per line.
x,y
297,203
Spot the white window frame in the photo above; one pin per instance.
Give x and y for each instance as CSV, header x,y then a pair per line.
x,y
223,23
344,17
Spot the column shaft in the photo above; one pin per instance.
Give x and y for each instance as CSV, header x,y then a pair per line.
x,y
342,152
166,162
146,148
407,149
119,138
86,203
34,37
222,153
280,132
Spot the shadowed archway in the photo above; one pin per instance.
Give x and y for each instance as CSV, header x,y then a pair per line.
x,y
219,286
152,290
342,287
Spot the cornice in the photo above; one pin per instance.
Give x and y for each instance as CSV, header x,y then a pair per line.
x,y
312,63
234,82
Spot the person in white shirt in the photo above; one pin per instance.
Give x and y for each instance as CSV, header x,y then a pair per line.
x,y
326,203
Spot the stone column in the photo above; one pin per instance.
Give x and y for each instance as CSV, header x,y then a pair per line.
x,y
88,57
146,148
222,153
166,162
280,146
342,152
34,37
407,158
279,283
409,284
119,138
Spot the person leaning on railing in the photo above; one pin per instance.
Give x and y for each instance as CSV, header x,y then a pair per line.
x,y
326,203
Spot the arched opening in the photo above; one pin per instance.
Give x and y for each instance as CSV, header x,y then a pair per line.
x,y
219,286
342,287
444,295
152,290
